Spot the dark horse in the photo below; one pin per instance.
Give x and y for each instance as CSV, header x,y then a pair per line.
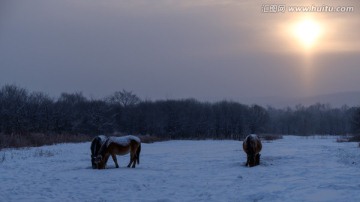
x,y
119,146
252,147
95,147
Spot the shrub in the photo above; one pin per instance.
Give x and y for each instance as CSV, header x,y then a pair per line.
x,y
270,137
43,153
355,138
150,139
3,158
342,139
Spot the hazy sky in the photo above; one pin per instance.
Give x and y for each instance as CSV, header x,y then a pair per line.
x,y
209,50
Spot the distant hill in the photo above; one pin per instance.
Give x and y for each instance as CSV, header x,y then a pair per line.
x,y
334,99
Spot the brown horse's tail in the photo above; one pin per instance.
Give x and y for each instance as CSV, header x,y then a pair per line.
x,y
138,154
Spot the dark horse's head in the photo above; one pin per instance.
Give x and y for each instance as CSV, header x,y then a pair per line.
x,y
95,147
93,164
99,164
99,158
252,147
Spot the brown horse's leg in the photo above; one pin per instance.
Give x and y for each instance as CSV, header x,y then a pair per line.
x,y
257,161
247,160
131,160
134,161
115,160
103,162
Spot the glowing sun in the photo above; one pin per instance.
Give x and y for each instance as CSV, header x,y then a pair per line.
x,y
307,32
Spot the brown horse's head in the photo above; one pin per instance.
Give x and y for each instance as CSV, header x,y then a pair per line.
x,y
252,147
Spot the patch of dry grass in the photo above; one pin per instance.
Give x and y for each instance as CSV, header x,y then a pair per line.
x,y
143,138
43,153
270,137
342,139
349,139
38,139
150,139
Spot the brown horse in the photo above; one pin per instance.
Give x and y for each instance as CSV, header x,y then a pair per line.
x,y
95,147
119,146
252,147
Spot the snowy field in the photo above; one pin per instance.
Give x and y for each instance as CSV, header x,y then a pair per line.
x,y
292,169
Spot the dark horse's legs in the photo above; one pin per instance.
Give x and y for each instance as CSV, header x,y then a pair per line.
x,y
115,160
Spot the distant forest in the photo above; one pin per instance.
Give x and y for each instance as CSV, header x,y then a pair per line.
x,y
23,112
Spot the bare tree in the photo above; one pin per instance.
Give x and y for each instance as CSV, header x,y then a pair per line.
x,y
13,108
258,117
124,98
356,121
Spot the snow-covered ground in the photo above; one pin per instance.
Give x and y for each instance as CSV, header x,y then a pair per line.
x,y
292,169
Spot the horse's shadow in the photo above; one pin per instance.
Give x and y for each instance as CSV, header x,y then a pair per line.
x,y
112,167
265,162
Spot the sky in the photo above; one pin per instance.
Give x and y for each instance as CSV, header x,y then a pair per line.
x,y
172,49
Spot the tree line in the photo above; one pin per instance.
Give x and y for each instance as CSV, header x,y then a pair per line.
x,y
23,112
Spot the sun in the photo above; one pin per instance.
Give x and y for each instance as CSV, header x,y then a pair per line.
x,y
307,32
